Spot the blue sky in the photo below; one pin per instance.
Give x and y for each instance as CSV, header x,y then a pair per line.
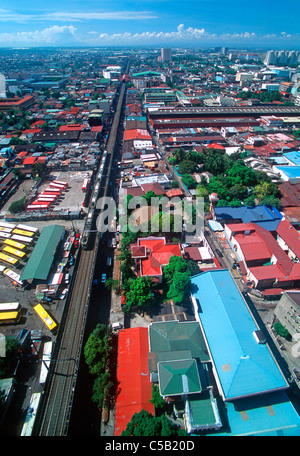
x,y
199,23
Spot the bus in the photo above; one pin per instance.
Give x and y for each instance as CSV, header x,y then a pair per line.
x,y
46,199
48,194
9,317
45,317
23,232
34,229
54,191
85,185
4,235
13,277
5,230
9,306
7,225
59,186
8,259
10,250
14,244
31,415
57,278
23,239
46,359
37,207
65,184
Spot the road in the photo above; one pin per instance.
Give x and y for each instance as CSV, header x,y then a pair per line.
x,y
56,404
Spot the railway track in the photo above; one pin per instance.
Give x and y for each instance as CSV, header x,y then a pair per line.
x,y
55,410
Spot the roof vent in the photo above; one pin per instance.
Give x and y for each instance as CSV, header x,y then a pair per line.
x,y
259,337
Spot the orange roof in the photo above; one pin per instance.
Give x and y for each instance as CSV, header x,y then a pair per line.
x,y
29,160
159,256
132,376
136,134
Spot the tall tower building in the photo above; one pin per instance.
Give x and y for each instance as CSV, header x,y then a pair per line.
x,y
166,54
2,86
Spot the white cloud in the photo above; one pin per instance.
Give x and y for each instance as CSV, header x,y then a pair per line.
x,y
64,34
52,35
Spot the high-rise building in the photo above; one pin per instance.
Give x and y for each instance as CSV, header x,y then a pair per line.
x,y
2,86
282,57
166,54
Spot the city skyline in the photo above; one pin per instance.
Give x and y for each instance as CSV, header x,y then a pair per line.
x,y
155,23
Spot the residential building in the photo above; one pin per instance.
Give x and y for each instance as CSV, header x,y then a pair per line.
x,y
287,311
151,254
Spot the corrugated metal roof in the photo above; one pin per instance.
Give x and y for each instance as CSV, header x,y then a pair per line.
x,y
41,259
133,376
244,367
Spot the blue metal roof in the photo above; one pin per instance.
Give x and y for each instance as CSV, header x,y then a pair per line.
x,y
293,156
264,216
290,171
268,415
244,367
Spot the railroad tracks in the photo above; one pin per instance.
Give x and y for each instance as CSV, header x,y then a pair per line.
x,y
57,407
54,413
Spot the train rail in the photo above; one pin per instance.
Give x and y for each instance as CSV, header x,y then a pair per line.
x,y
54,413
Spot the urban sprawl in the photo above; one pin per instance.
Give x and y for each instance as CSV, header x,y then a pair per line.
x,y
131,330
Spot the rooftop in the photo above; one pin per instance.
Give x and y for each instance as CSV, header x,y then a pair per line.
x,y
243,366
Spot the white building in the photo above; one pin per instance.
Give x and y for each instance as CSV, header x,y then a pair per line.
x,y
2,86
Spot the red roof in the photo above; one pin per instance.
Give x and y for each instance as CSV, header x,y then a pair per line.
x,y
290,236
132,376
29,160
158,256
253,247
71,127
174,192
137,134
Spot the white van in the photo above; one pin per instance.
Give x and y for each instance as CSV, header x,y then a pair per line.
x,y
116,326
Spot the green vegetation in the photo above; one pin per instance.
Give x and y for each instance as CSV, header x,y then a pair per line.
x,y
156,398
8,363
140,293
232,180
18,206
145,424
262,96
97,352
282,331
177,275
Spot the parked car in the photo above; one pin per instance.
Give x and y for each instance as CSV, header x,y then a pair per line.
x,y
63,294
103,278
67,278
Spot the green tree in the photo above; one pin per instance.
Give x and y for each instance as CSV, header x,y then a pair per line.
x,y
140,293
8,363
187,167
281,330
18,206
156,399
144,424
188,181
102,389
97,349
180,287
178,277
